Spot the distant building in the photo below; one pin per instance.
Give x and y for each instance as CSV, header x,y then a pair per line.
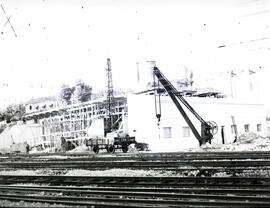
x,y
41,104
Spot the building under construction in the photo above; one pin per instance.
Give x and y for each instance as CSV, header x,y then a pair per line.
x,y
47,122
72,121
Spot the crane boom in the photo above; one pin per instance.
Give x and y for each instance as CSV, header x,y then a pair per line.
x,y
206,128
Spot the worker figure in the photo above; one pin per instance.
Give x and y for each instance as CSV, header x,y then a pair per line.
x,y
27,147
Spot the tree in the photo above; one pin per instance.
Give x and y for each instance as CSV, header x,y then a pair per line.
x,y
14,112
2,116
66,94
82,92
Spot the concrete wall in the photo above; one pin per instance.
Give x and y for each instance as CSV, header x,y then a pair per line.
x,y
20,133
143,123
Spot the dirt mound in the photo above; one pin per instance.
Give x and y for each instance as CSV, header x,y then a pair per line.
x,y
245,142
248,138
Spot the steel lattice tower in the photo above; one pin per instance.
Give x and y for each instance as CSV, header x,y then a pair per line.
x,y
110,97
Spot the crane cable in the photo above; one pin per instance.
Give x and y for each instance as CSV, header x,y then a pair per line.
x,y
157,106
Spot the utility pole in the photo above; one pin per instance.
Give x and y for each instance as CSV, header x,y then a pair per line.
x,y
250,72
232,74
110,98
138,72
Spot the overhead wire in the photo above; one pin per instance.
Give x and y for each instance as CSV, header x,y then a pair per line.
x,y
8,20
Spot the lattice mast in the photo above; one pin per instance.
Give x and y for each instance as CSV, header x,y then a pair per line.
x,y
110,98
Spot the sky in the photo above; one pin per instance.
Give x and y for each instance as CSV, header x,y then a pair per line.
x,y
56,42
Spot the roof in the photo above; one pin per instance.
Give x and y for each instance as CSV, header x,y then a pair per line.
x,y
73,106
41,100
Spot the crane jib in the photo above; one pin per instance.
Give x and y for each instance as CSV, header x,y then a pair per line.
x,y
206,128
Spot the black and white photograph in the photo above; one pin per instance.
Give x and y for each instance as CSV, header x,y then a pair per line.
x,y
135,103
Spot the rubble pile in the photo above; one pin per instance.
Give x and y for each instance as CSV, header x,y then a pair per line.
x,y
248,138
245,142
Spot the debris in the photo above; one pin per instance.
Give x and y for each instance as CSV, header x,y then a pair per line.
x,y
246,142
20,147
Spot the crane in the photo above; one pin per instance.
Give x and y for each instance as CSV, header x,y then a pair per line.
x,y
115,133
208,129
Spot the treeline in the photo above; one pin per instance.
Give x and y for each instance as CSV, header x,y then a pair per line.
x,y
13,112
79,93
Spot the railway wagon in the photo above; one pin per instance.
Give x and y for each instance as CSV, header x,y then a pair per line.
x,y
110,144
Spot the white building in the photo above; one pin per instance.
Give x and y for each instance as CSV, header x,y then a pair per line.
x,y
41,104
173,131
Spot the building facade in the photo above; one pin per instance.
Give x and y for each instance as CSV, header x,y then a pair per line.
x,y
41,104
173,129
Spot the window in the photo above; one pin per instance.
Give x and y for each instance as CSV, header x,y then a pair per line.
x,y
259,127
186,131
246,127
167,132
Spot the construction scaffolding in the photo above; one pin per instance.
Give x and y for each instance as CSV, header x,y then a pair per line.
x,y
71,122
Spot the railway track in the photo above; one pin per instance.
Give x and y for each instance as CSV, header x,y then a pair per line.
x,y
182,163
135,164
139,191
139,156
138,181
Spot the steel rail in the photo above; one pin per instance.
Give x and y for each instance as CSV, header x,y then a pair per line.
x,y
221,190
131,202
141,191
138,181
135,164
242,162
120,154
175,170
115,193
139,158
133,157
